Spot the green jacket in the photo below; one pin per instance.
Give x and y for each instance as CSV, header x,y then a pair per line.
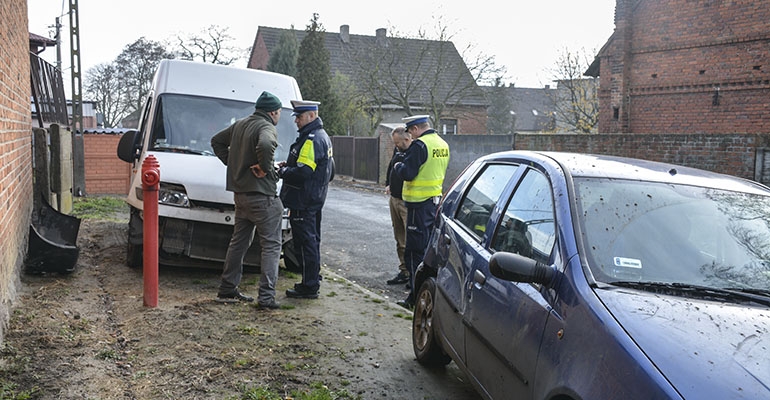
x,y
248,141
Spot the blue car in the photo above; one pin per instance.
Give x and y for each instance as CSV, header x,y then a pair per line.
x,y
571,276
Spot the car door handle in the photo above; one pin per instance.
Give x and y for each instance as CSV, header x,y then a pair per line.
x,y
479,278
447,240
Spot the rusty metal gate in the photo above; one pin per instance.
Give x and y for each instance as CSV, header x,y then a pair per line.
x,y
357,157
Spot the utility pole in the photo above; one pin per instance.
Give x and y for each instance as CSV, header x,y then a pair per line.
x,y
78,167
58,43
77,98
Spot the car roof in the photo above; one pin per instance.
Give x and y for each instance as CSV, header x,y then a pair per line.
x,y
614,167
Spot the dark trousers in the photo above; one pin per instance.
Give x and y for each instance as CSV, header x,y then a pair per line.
x,y
306,233
419,222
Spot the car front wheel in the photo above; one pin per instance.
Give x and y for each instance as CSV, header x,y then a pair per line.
x,y
290,258
426,346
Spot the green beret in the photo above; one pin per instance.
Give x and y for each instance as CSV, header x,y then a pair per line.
x,y
268,102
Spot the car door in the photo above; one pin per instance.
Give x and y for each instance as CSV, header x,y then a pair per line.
x,y
505,320
462,236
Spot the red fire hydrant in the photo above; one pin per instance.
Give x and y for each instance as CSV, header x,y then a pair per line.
x,y
150,184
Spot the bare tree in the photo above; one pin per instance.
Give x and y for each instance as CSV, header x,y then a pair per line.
x,y
103,86
575,99
210,45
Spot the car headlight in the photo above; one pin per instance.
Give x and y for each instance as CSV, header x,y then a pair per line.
x,y
173,195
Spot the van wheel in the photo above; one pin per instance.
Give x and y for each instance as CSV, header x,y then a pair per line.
x,y
134,255
426,346
134,252
290,259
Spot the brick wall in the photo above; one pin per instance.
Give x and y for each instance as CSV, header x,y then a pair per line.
x,y
688,67
728,153
15,150
471,120
105,172
259,56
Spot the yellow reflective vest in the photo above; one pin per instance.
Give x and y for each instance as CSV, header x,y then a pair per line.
x,y
430,178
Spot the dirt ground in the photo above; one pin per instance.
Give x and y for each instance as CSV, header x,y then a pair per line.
x,y
87,335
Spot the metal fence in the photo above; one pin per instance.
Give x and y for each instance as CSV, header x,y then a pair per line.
x,y
47,92
357,157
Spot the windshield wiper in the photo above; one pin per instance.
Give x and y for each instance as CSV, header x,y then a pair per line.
x,y
182,149
754,291
702,292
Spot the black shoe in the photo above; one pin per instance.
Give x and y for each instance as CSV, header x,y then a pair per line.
x,y
408,304
234,297
402,277
273,305
302,292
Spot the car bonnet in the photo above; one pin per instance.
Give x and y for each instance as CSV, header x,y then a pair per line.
x,y
706,349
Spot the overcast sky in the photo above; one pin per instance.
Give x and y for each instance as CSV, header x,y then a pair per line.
x,y
524,36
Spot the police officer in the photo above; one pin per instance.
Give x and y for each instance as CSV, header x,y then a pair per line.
x,y
423,171
306,175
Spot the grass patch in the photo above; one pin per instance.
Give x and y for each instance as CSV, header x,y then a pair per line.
x,y
404,316
105,207
316,391
252,331
290,275
108,355
9,391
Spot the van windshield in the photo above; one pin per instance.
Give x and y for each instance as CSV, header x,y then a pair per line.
x,y
185,124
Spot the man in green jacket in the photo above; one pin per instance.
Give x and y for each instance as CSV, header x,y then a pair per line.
x,y
247,147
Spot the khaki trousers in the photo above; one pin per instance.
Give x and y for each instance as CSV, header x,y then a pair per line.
x,y
398,220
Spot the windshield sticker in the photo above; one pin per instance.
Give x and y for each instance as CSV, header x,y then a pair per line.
x,y
628,262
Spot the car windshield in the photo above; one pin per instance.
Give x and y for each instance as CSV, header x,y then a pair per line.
x,y
185,124
663,233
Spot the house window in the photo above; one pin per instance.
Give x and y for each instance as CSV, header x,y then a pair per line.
x,y
615,113
447,127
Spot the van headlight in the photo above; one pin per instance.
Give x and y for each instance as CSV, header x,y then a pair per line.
x,y
173,195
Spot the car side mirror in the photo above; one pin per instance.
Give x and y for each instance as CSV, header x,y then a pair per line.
x,y
517,268
128,151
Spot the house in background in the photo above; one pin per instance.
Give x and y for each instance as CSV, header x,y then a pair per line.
x,y
37,43
466,112
683,66
533,109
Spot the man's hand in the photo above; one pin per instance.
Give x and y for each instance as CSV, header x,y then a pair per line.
x,y
257,171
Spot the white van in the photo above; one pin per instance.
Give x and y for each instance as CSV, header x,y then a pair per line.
x,y
187,104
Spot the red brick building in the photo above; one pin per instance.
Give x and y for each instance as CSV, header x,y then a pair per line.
x,y
686,66
15,150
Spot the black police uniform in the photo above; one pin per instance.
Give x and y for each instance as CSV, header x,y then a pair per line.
x,y
306,176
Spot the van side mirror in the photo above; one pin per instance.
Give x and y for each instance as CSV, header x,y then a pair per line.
x,y
517,268
128,150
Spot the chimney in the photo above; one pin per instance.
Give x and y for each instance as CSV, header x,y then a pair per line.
x,y
380,38
345,33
